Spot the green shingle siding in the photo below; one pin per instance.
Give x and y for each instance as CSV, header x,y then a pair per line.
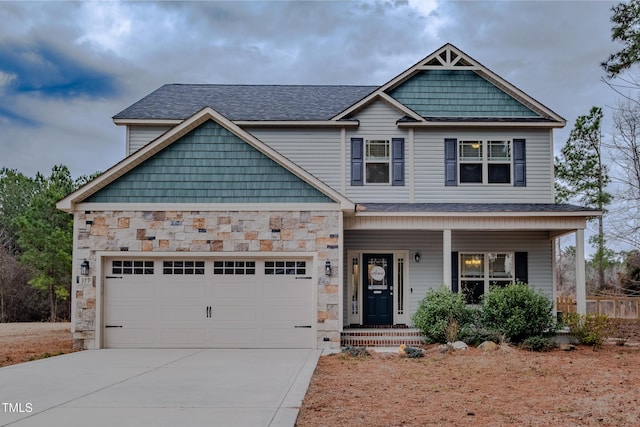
x,y
209,165
457,93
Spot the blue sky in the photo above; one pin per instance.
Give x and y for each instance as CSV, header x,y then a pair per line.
x,y
67,67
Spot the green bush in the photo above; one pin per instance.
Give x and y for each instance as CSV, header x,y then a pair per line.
x,y
517,312
441,315
589,329
538,343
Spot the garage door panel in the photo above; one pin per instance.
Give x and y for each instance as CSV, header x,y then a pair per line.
x,y
182,312
234,290
183,290
223,304
130,337
281,312
234,313
128,289
129,312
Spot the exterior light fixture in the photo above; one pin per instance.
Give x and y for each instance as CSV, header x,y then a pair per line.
x,y
417,257
84,268
327,268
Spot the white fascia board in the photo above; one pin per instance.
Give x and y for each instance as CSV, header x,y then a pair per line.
x,y
296,123
209,207
430,124
147,122
585,214
378,95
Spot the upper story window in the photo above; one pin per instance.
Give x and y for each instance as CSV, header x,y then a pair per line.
x,y
377,161
485,162
491,161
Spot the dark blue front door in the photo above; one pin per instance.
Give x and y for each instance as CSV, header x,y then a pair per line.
x,y
378,289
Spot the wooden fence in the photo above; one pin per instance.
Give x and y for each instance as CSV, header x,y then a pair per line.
x,y
615,307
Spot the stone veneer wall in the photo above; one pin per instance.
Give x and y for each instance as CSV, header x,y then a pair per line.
x,y
158,232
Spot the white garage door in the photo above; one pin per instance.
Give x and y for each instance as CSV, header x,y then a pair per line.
x,y
221,303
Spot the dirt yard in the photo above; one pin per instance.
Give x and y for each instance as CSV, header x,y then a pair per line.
x,y
22,342
506,387
471,387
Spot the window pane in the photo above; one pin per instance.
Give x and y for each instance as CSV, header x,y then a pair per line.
x,y
471,172
470,150
377,150
378,173
472,290
472,265
499,173
501,266
499,150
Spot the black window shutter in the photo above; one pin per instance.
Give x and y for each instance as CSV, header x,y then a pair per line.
x,y
454,272
397,161
450,162
357,161
519,163
522,267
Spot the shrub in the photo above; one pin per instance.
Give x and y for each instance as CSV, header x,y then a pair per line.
x,y
589,329
353,351
441,315
517,312
538,343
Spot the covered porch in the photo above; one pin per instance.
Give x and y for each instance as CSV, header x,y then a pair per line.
x,y
394,253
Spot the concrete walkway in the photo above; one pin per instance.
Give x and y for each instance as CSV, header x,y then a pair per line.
x,y
98,388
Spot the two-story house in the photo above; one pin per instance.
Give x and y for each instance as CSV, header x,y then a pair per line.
x,y
282,216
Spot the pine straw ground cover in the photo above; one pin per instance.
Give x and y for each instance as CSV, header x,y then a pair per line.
x,y
507,387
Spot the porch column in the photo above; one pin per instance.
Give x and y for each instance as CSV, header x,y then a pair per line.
x,y
581,286
446,258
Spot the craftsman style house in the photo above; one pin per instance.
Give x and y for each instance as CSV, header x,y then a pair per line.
x,y
283,216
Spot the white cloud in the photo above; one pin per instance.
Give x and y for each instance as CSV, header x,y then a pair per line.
x,y
6,79
105,24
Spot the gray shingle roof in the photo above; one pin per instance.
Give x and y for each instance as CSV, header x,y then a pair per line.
x,y
470,207
246,102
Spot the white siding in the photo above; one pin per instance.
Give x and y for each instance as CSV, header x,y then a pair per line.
x,y
377,121
429,169
427,274
315,150
139,136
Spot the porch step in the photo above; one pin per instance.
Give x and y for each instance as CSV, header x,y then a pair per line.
x,y
380,337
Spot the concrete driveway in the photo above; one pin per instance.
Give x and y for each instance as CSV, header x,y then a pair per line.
x,y
158,388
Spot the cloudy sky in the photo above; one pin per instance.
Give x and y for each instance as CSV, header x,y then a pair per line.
x,y
67,67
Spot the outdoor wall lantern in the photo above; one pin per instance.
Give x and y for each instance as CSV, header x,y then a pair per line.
x,y
84,268
417,257
327,268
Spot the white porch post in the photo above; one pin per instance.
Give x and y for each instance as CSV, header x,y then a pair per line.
x,y
581,286
446,258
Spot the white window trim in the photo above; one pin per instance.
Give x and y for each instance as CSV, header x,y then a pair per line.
x,y
485,161
367,161
488,281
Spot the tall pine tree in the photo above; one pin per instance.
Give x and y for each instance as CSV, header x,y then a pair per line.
x,y
582,175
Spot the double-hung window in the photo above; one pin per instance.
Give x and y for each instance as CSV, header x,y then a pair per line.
x,y
377,161
484,162
479,271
